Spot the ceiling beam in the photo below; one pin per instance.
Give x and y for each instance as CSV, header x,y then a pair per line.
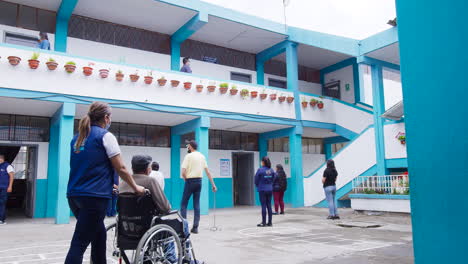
x,y
378,41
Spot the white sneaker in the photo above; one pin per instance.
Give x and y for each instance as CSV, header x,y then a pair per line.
x,y
2,223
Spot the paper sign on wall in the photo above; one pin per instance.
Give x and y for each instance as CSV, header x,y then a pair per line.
x,y
347,87
225,167
286,160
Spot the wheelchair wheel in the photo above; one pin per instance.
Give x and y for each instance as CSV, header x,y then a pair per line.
x,y
160,244
112,252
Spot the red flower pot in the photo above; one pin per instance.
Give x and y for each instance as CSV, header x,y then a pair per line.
x,y
199,88
313,104
162,82
119,76
148,79
51,65
70,68
263,96
253,94
175,83
272,97
211,88
87,71
187,85
281,99
33,64
233,91
134,77
104,73
304,104
290,99
320,105
223,90
14,60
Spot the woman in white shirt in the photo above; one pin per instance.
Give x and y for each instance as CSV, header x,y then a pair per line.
x,y
155,173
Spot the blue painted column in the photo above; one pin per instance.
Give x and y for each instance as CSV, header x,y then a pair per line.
x,y
61,134
260,67
177,184
379,109
328,151
61,24
292,72
297,176
202,138
433,55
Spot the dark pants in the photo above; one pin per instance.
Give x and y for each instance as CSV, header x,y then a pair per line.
x,y
3,202
90,213
111,208
279,202
265,200
192,186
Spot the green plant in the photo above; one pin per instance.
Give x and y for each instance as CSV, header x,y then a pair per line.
x,y
162,78
320,102
51,60
303,99
233,87
314,101
402,137
119,72
244,93
223,85
35,56
70,63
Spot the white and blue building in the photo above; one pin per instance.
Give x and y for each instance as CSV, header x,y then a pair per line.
x,y
357,81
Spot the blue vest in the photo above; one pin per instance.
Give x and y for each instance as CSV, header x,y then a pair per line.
x,y
91,171
4,177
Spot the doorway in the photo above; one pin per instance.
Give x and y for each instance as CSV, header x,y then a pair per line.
x,y
333,89
23,159
243,178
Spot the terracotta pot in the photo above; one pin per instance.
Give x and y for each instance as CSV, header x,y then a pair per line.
x,y
263,96
87,71
14,60
162,82
320,105
253,94
403,142
119,76
211,88
148,79
33,64
51,65
223,90
304,104
199,88
313,104
233,91
175,83
282,99
187,85
134,77
103,73
70,68
272,97
290,99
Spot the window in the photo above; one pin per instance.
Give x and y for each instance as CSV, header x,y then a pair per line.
x,y
28,17
23,40
277,83
278,145
24,128
241,77
231,140
185,139
338,146
312,145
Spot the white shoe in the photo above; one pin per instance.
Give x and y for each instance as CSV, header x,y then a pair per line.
x,y
2,223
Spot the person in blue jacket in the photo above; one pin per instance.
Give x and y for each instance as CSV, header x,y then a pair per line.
x,y
95,157
43,42
264,179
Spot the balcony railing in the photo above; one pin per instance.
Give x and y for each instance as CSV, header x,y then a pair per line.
x,y
388,184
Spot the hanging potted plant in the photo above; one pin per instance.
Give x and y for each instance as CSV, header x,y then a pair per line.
x,y
51,64
149,78
187,85
175,83
401,137
34,62
290,99
233,90
14,60
281,98
273,96
88,70
70,66
304,102
104,73
162,81
223,87
244,93
199,87
320,104
119,76
263,95
134,77
313,102
253,94
211,87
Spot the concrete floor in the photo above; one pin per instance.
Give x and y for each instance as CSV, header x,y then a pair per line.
x,y
301,236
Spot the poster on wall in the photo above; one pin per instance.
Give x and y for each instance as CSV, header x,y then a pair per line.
x,y
225,167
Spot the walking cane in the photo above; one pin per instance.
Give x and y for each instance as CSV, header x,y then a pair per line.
x,y
214,228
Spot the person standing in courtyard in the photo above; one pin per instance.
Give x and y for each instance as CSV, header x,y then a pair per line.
x,y
264,179
186,67
155,173
7,176
192,171
95,157
329,185
279,187
43,42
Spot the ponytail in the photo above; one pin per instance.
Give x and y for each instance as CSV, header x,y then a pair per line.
x,y
96,114
83,131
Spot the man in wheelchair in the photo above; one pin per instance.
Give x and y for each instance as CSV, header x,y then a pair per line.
x,y
147,224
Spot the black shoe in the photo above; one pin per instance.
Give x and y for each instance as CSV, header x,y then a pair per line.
x,y
282,213
261,225
275,213
330,217
194,230
336,217
270,224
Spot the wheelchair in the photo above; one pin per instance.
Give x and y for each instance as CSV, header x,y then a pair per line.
x,y
142,236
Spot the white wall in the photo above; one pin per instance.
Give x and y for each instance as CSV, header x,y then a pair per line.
x,y
393,92
161,155
393,148
382,205
42,155
345,76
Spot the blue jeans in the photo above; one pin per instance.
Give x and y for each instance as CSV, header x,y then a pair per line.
x,y
111,208
265,200
90,213
330,195
3,202
192,186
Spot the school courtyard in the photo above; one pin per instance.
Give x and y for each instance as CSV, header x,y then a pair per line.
x,y
300,236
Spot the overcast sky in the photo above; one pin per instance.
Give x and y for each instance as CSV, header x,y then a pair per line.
x,y
356,19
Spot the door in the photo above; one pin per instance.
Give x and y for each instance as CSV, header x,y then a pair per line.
x,y
332,89
30,181
243,178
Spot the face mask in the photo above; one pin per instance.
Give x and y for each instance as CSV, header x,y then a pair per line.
x,y
188,150
108,126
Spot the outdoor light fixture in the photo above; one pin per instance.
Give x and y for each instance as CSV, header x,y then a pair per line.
x,y
392,22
